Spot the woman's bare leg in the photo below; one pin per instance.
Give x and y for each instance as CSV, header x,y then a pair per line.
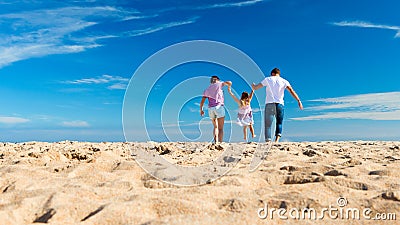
x,y
215,130
220,127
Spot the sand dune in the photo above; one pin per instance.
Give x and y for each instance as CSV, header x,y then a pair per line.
x,y
100,183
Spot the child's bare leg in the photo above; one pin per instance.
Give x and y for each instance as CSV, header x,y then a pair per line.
x,y
245,132
252,131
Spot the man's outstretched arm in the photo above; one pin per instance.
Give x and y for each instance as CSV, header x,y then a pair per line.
x,y
256,86
294,94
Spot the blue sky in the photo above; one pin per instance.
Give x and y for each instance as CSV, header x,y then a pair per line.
x,y
65,65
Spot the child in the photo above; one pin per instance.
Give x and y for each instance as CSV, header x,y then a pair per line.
x,y
245,114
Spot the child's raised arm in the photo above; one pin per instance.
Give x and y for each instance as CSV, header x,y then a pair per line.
x,y
251,95
233,96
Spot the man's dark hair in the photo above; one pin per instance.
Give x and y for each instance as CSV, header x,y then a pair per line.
x,y
276,71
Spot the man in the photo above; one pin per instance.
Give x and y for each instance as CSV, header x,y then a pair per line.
x,y
274,104
216,110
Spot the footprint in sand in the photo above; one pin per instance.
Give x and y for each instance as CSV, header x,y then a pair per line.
x,y
351,163
353,184
303,178
390,195
335,173
152,183
232,205
380,172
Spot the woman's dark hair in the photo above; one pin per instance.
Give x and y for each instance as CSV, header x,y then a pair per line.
x,y
214,79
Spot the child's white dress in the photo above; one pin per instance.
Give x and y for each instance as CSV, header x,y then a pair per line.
x,y
245,116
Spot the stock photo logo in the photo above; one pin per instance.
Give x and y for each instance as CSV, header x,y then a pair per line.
x,y
338,211
146,101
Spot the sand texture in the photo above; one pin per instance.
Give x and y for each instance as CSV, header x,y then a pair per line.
x,y
101,183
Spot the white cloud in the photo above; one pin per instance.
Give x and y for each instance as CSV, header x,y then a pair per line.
x,y
194,110
104,79
118,86
76,124
65,15
231,4
113,82
256,110
159,27
50,31
376,101
12,120
44,32
112,103
127,18
392,115
373,106
204,121
20,52
66,30
363,24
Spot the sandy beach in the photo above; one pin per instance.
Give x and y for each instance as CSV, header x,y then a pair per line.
x,y
101,183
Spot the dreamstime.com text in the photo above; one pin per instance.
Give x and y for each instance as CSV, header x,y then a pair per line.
x,y
333,212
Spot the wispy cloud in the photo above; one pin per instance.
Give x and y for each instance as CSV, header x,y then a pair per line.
x,y
230,4
75,124
104,79
193,110
44,32
159,27
20,52
256,110
363,24
113,82
373,106
193,124
120,86
65,30
392,115
12,120
136,17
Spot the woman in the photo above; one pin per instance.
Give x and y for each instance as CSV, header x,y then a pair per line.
x,y
216,109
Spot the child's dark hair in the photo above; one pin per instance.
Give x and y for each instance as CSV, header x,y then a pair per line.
x,y
244,99
244,95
